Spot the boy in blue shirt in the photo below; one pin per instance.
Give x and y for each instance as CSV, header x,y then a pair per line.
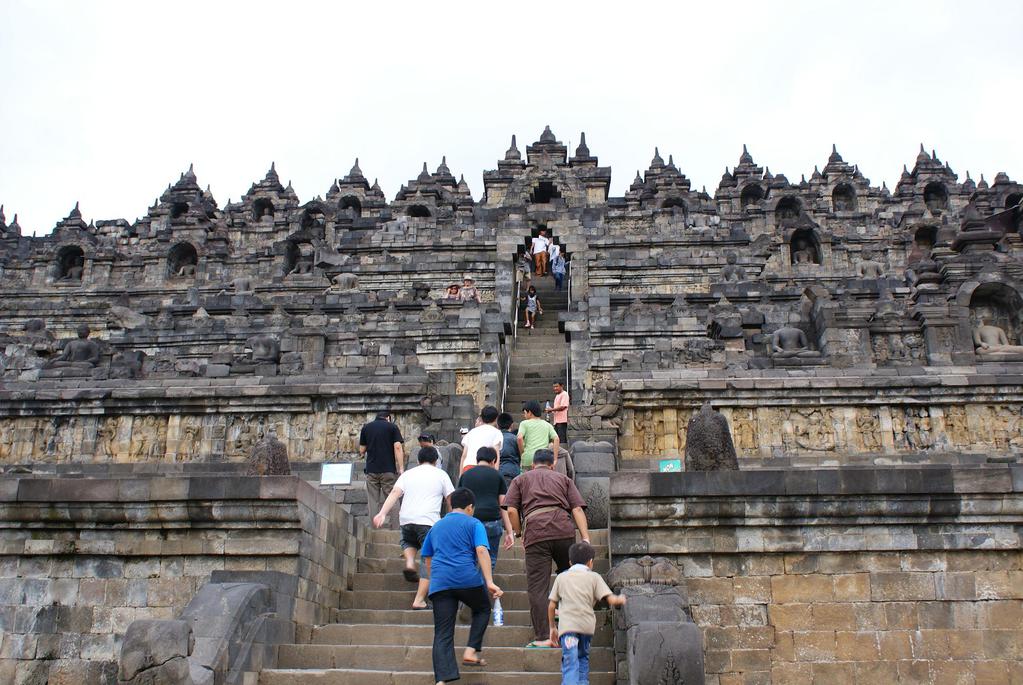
x,y
457,554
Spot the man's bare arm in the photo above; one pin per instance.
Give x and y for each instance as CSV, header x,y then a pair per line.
x,y
399,457
513,518
580,522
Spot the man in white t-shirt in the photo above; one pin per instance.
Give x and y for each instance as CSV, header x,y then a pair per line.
x,y
485,434
424,488
539,250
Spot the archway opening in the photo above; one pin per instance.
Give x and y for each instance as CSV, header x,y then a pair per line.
x,y
804,247
298,258
923,242
788,209
182,260
419,212
936,196
996,304
843,199
1013,200
544,192
751,196
178,210
70,263
352,208
263,208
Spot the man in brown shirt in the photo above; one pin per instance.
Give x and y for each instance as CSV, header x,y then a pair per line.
x,y
552,508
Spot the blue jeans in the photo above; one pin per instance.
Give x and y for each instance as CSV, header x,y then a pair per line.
x,y
495,529
575,658
558,280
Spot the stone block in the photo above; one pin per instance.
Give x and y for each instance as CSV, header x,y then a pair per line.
x,y
148,644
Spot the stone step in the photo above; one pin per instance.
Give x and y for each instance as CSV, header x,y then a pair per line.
x,y
418,657
395,565
598,536
397,583
388,550
413,617
375,634
512,600
468,677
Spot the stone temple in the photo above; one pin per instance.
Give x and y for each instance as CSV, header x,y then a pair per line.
x,y
863,344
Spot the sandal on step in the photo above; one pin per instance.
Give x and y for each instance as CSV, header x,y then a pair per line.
x,y
411,575
540,644
474,662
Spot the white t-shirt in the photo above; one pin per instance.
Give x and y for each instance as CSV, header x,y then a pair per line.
x,y
481,436
554,250
423,489
540,244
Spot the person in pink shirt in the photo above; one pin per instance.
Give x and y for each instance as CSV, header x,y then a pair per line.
x,y
559,412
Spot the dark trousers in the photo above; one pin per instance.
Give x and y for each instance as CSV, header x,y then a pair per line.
x,y
562,430
539,556
445,611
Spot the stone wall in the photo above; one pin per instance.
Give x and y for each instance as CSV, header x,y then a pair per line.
x,y
910,575
80,559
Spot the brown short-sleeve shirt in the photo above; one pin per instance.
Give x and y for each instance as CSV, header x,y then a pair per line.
x,y
545,488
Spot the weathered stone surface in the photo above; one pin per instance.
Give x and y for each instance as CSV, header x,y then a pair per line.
x,y
709,442
269,457
151,645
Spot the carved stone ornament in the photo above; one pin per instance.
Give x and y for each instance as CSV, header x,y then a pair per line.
x,y
646,570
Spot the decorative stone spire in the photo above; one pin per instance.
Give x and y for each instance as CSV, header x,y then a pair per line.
x,y
657,162
3,219
76,213
513,154
190,174
15,227
547,136
906,176
424,175
816,174
376,186
835,158
745,158
968,184
637,182
983,184
271,176
443,169
355,172
582,150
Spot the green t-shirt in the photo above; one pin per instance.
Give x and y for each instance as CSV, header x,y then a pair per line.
x,y
536,434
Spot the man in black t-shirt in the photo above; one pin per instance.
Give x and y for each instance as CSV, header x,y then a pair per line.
x,y
488,485
381,442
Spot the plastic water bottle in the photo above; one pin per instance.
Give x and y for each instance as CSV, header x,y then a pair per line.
x,y
498,613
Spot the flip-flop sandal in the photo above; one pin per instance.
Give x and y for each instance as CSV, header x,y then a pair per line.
x,y
411,575
474,662
537,645
426,608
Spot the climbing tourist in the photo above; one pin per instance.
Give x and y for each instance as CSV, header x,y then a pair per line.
x,y
458,562
421,489
469,293
533,305
573,596
381,443
535,433
510,456
525,267
489,488
429,440
558,271
485,434
539,249
545,508
559,412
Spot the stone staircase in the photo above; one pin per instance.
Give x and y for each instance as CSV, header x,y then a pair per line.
x,y
538,355
378,640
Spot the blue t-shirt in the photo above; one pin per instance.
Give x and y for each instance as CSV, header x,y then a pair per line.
x,y
452,543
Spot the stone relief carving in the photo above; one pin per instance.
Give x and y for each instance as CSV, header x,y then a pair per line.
x,y
744,430
868,429
813,429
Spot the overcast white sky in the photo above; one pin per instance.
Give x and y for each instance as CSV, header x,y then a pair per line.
x,y
107,102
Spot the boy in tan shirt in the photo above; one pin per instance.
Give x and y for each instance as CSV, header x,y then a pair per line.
x,y
574,594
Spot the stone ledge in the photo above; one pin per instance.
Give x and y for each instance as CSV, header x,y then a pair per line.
x,y
887,480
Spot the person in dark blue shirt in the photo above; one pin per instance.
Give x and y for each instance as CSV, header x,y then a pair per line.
x,y
457,555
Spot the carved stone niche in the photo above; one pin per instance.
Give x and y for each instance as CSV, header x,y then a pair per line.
x,y
656,640
995,322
